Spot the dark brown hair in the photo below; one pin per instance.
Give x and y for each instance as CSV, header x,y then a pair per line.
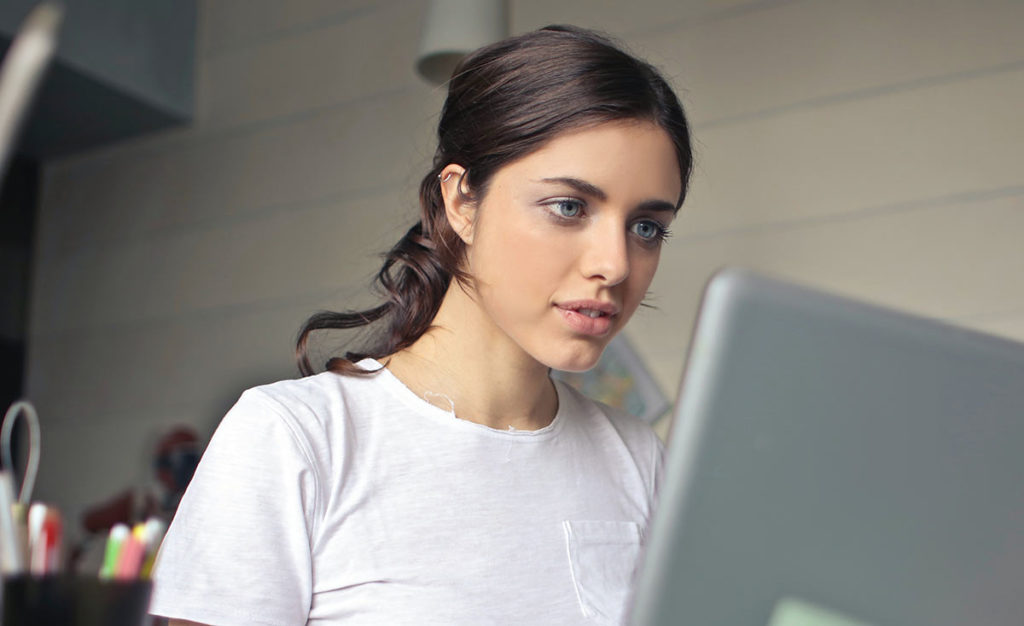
x,y
505,101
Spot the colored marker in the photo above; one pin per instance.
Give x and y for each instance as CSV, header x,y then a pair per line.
x,y
132,553
118,534
155,529
45,554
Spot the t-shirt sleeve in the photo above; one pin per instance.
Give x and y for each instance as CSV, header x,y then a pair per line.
x,y
239,548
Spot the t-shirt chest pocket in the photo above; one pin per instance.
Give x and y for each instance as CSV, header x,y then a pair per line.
x,y
603,557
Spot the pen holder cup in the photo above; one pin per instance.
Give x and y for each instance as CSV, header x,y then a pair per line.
x,y
74,601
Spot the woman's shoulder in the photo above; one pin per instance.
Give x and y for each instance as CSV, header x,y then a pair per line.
x,y
316,413
316,389
306,404
318,397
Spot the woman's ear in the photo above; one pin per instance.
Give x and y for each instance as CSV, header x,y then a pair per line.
x,y
459,206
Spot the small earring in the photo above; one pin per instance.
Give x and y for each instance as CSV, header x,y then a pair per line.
x,y
446,178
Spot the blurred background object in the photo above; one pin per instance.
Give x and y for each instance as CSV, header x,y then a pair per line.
x,y
621,379
123,68
174,462
454,28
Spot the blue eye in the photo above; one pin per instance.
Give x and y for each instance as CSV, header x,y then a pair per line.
x,y
566,208
650,231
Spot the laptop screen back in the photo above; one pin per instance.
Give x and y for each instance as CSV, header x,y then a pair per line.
x,y
837,463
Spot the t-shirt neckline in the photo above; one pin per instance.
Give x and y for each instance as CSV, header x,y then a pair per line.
x,y
448,418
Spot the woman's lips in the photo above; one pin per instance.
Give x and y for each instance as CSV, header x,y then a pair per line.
x,y
588,318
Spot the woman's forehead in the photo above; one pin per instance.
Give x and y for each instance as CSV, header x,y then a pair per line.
x,y
614,158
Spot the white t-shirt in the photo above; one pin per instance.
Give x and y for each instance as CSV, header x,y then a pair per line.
x,y
351,500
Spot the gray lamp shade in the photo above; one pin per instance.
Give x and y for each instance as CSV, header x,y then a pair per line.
x,y
453,28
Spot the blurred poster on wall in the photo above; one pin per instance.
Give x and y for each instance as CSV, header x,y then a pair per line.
x,y
620,379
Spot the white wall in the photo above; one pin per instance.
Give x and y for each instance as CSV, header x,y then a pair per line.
x,y
870,147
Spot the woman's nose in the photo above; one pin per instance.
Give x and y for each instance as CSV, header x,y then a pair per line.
x,y
606,257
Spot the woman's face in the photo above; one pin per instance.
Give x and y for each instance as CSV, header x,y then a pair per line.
x,y
564,244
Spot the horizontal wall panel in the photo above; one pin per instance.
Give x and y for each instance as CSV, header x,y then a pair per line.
x,y
161,365
809,52
279,255
912,147
639,17
231,24
89,204
324,67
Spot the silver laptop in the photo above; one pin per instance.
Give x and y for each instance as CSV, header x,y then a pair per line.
x,y
837,464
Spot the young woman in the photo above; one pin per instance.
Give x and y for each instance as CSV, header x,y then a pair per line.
x,y
440,476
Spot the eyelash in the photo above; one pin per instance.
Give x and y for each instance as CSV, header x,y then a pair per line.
x,y
661,233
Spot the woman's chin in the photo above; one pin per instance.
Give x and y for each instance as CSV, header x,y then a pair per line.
x,y
576,362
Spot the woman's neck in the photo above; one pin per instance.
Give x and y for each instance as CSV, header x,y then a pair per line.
x,y
466,364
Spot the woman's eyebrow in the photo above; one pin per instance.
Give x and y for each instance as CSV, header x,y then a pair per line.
x,y
589,189
581,186
656,206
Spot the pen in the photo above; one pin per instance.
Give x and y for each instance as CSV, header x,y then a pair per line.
x,y
19,513
12,561
36,515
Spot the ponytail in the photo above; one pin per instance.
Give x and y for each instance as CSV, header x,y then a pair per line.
x,y
413,280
